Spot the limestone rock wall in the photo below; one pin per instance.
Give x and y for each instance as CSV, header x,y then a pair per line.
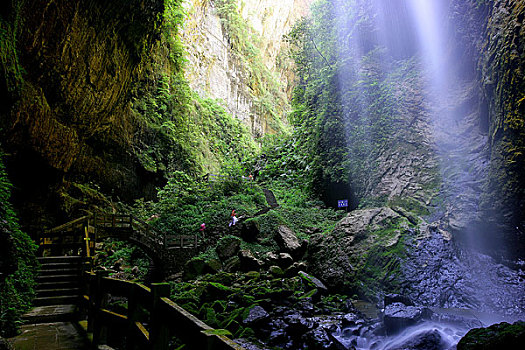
x,y
215,70
502,77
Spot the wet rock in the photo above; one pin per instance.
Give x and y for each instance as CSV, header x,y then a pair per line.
x,y
228,247
397,298
288,241
429,340
295,268
271,258
278,334
306,307
246,344
498,336
314,282
249,231
276,271
298,324
398,316
319,338
458,320
285,260
351,319
248,261
232,264
256,316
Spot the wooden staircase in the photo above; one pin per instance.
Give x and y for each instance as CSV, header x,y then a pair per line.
x,y
59,280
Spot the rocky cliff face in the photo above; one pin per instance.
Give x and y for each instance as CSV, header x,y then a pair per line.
x,y
217,68
84,94
453,172
502,78
69,118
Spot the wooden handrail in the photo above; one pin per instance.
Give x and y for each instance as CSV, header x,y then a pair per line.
x,y
166,318
120,226
67,224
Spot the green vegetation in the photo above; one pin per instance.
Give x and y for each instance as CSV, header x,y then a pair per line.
x,y
349,108
181,131
126,256
224,300
268,94
17,261
379,268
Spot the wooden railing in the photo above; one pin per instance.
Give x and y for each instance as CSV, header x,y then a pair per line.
x,y
150,321
144,232
81,233
71,238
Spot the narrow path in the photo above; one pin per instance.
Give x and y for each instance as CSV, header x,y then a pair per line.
x,y
50,324
50,336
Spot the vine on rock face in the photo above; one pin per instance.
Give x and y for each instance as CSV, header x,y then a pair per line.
x,y
268,94
182,131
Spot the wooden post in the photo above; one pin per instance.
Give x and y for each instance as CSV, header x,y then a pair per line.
x,y
86,238
132,318
159,333
90,285
98,299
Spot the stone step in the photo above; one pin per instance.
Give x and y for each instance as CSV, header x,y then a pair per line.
x,y
60,265
62,271
56,300
57,292
62,284
50,313
60,259
57,278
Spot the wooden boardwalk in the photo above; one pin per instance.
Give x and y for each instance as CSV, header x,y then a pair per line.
x,y
80,235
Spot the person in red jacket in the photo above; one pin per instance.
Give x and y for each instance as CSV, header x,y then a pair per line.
x,y
233,218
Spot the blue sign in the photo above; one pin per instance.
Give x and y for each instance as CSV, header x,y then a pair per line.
x,y
343,203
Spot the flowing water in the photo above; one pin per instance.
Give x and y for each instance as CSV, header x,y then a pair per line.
x,y
463,287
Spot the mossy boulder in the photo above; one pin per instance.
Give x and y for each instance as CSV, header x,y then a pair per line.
x,y
498,336
248,262
194,267
363,253
276,271
250,231
227,247
288,241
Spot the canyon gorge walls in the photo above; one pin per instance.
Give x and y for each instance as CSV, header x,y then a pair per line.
x,y
237,53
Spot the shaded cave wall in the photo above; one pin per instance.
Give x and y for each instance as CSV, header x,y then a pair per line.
x,y
68,122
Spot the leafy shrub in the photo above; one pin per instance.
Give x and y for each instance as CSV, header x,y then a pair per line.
x,y
17,290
